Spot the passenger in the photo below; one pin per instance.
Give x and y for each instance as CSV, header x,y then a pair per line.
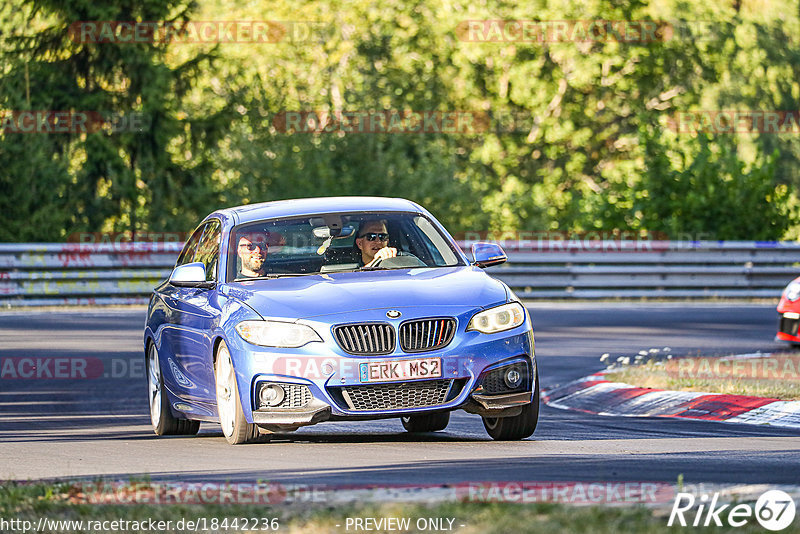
x,y
252,251
372,241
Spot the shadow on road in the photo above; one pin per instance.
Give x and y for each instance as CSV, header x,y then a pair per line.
x,y
767,469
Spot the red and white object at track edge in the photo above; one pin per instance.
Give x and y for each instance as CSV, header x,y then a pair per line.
x,y
594,394
789,313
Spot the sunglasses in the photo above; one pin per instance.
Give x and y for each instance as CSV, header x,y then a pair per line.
x,y
372,236
252,246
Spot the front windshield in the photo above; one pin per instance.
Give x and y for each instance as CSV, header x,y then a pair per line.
x,y
334,242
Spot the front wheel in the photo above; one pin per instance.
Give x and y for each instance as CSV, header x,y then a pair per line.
x,y
426,423
518,427
164,423
235,427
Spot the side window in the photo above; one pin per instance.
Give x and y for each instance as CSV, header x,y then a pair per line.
x,y
208,249
435,244
187,254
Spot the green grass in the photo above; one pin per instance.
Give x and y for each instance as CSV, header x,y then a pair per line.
x,y
31,501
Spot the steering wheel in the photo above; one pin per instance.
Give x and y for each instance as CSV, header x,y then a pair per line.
x,y
401,260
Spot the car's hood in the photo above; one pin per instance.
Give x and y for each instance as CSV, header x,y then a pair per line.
x,y
336,293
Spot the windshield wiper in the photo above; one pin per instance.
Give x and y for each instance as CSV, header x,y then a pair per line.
x,y
397,268
271,276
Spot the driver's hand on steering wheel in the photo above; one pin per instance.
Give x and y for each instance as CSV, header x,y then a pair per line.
x,y
383,254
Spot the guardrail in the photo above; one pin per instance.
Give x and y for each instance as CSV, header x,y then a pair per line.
x,y
46,274
655,269
42,274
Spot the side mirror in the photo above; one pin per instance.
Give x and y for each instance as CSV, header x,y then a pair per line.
x,y
488,254
190,275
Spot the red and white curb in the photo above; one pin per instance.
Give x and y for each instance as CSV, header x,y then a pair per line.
x,y
594,394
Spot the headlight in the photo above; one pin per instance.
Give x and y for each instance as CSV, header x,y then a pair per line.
x,y
498,319
792,291
276,333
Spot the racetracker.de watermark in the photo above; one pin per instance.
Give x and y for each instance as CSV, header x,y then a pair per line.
x,y
381,121
70,368
774,367
126,241
605,241
560,31
568,492
190,493
71,122
580,493
320,367
729,121
203,32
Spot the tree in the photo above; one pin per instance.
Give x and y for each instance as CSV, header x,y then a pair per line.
x,y
114,175
702,189
578,138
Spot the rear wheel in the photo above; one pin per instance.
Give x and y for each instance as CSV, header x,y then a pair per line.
x,y
518,427
164,423
235,427
426,423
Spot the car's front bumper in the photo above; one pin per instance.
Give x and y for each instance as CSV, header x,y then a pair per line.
x,y
463,367
315,412
497,405
788,321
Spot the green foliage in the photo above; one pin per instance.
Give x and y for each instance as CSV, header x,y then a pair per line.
x,y
102,178
705,190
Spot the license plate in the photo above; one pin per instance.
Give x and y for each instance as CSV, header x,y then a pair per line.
x,y
390,371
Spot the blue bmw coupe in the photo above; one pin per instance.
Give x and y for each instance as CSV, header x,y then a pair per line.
x,y
291,313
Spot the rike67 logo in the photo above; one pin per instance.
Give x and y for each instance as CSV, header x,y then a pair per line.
x,y
774,510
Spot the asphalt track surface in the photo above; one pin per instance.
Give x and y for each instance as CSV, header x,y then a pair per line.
x,y
56,428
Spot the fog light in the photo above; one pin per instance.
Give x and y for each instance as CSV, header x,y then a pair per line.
x,y
272,395
513,378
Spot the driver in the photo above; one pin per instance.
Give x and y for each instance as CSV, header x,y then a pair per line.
x,y
252,251
372,241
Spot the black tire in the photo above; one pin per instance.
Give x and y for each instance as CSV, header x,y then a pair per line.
x,y
518,427
426,423
164,423
235,427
